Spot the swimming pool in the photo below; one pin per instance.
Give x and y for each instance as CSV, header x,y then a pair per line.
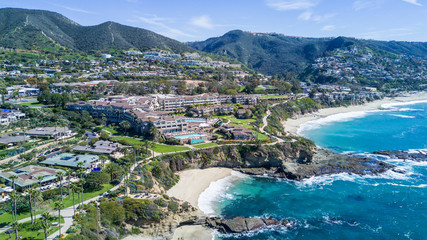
x,y
195,120
188,136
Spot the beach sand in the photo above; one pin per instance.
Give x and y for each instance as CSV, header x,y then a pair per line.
x,y
191,184
293,124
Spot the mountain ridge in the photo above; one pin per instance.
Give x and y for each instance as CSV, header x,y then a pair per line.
x,y
29,29
277,53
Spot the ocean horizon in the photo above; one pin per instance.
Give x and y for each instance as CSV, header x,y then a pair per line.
x,y
340,206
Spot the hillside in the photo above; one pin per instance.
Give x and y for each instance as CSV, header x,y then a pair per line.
x,y
37,29
277,54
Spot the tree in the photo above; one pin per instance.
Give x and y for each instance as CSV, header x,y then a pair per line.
x,y
14,197
105,136
37,196
181,88
16,226
125,125
30,192
95,180
13,178
58,206
45,225
60,175
74,188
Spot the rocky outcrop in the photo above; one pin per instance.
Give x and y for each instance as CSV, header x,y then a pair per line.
x,y
292,160
240,224
414,155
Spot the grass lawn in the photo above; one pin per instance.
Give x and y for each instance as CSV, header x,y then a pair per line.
x,y
160,148
129,140
205,145
68,201
31,104
6,218
112,131
239,122
261,137
33,232
259,88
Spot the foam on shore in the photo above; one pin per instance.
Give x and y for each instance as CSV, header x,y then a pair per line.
x,y
339,117
209,199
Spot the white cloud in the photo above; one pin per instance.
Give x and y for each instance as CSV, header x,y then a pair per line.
x,y
203,21
74,9
328,28
305,15
285,5
367,4
309,15
415,2
163,28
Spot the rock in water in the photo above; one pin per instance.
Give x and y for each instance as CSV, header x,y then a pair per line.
x,y
240,224
254,223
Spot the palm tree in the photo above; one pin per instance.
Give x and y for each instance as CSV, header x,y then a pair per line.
x,y
69,174
40,179
37,196
30,191
16,226
58,206
82,182
73,189
14,197
13,178
60,175
45,223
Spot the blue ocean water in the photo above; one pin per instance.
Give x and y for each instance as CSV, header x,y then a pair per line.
x,y
389,206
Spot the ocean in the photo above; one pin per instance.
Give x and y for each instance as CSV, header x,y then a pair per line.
x,y
342,206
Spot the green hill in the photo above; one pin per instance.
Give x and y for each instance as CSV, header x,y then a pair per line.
x,y
277,54
38,29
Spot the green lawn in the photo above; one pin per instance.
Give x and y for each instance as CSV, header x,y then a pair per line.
x,y
161,148
112,131
129,140
6,218
261,137
32,104
33,232
239,122
205,145
68,201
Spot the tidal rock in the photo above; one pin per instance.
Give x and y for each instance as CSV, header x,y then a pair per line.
x,y
254,223
415,155
240,224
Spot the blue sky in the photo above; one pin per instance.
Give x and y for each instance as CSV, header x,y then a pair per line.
x,y
192,20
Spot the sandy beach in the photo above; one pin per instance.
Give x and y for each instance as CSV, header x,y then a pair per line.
x,y
293,124
191,184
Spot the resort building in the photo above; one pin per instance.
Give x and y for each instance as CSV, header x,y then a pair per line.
x,y
73,161
50,132
29,175
100,147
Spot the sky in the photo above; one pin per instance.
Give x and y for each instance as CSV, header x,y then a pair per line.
x,y
197,20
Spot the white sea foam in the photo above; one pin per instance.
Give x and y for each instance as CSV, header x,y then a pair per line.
x,y
340,117
216,191
320,181
394,105
402,116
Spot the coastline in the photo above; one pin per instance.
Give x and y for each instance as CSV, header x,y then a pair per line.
x,y
191,184
292,125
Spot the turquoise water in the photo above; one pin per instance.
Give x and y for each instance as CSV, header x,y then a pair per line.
x,y
188,136
389,206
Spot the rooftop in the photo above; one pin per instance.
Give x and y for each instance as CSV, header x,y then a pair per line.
x,y
29,175
71,160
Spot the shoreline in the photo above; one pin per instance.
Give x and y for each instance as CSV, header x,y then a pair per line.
x,y
293,124
191,185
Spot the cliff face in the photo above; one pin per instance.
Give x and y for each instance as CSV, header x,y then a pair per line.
x,y
292,160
